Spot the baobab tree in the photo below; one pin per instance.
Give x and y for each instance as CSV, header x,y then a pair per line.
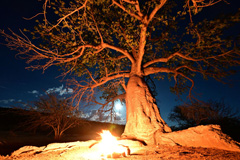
x,y
115,44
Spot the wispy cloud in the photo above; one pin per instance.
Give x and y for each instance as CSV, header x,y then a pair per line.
x,y
33,92
60,90
7,101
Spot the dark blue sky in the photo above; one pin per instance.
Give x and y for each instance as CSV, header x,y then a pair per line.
x,y
18,84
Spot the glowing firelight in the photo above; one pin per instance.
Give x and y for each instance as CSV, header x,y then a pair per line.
x,y
109,145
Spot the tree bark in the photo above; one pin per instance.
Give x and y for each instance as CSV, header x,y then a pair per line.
x,y
144,122
57,134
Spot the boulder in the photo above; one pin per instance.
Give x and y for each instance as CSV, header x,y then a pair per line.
x,y
207,136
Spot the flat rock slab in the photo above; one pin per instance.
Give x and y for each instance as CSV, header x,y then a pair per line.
x,y
202,142
163,152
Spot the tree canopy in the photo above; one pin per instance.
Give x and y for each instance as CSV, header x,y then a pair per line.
x,y
102,40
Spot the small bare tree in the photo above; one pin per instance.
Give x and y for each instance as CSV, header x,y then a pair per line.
x,y
52,112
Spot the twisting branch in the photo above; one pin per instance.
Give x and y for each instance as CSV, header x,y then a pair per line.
x,y
95,23
155,10
90,75
32,53
103,105
45,11
186,57
69,14
196,4
176,72
164,60
136,3
123,83
118,49
64,74
131,2
186,77
125,10
84,87
202,3
138,9
32,16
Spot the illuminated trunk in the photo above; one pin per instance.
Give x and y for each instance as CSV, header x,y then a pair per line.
x,y
57,133
143,118
57,137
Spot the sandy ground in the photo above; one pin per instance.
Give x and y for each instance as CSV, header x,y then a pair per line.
x,y
81,151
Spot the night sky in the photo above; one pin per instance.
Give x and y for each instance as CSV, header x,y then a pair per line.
x,y
20,85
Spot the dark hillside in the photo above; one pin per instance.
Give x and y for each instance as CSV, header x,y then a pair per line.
x,y
14,135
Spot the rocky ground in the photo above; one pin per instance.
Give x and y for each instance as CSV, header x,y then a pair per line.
x,y
81,151
202,142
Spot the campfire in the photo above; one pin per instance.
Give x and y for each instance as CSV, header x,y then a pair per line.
x,y
110,147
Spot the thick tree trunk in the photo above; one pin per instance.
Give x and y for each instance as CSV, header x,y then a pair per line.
x,y
143,118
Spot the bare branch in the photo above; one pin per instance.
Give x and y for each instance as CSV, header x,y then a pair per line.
x,y
138,9
199,4
186,57
97,28
69,14
32,53
89,73
131,1
136,3
191,80
170,57
84,87
123,83
32,16
155,10
118,49
142,44
120,96
153,70
45,11
125,10
202,3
